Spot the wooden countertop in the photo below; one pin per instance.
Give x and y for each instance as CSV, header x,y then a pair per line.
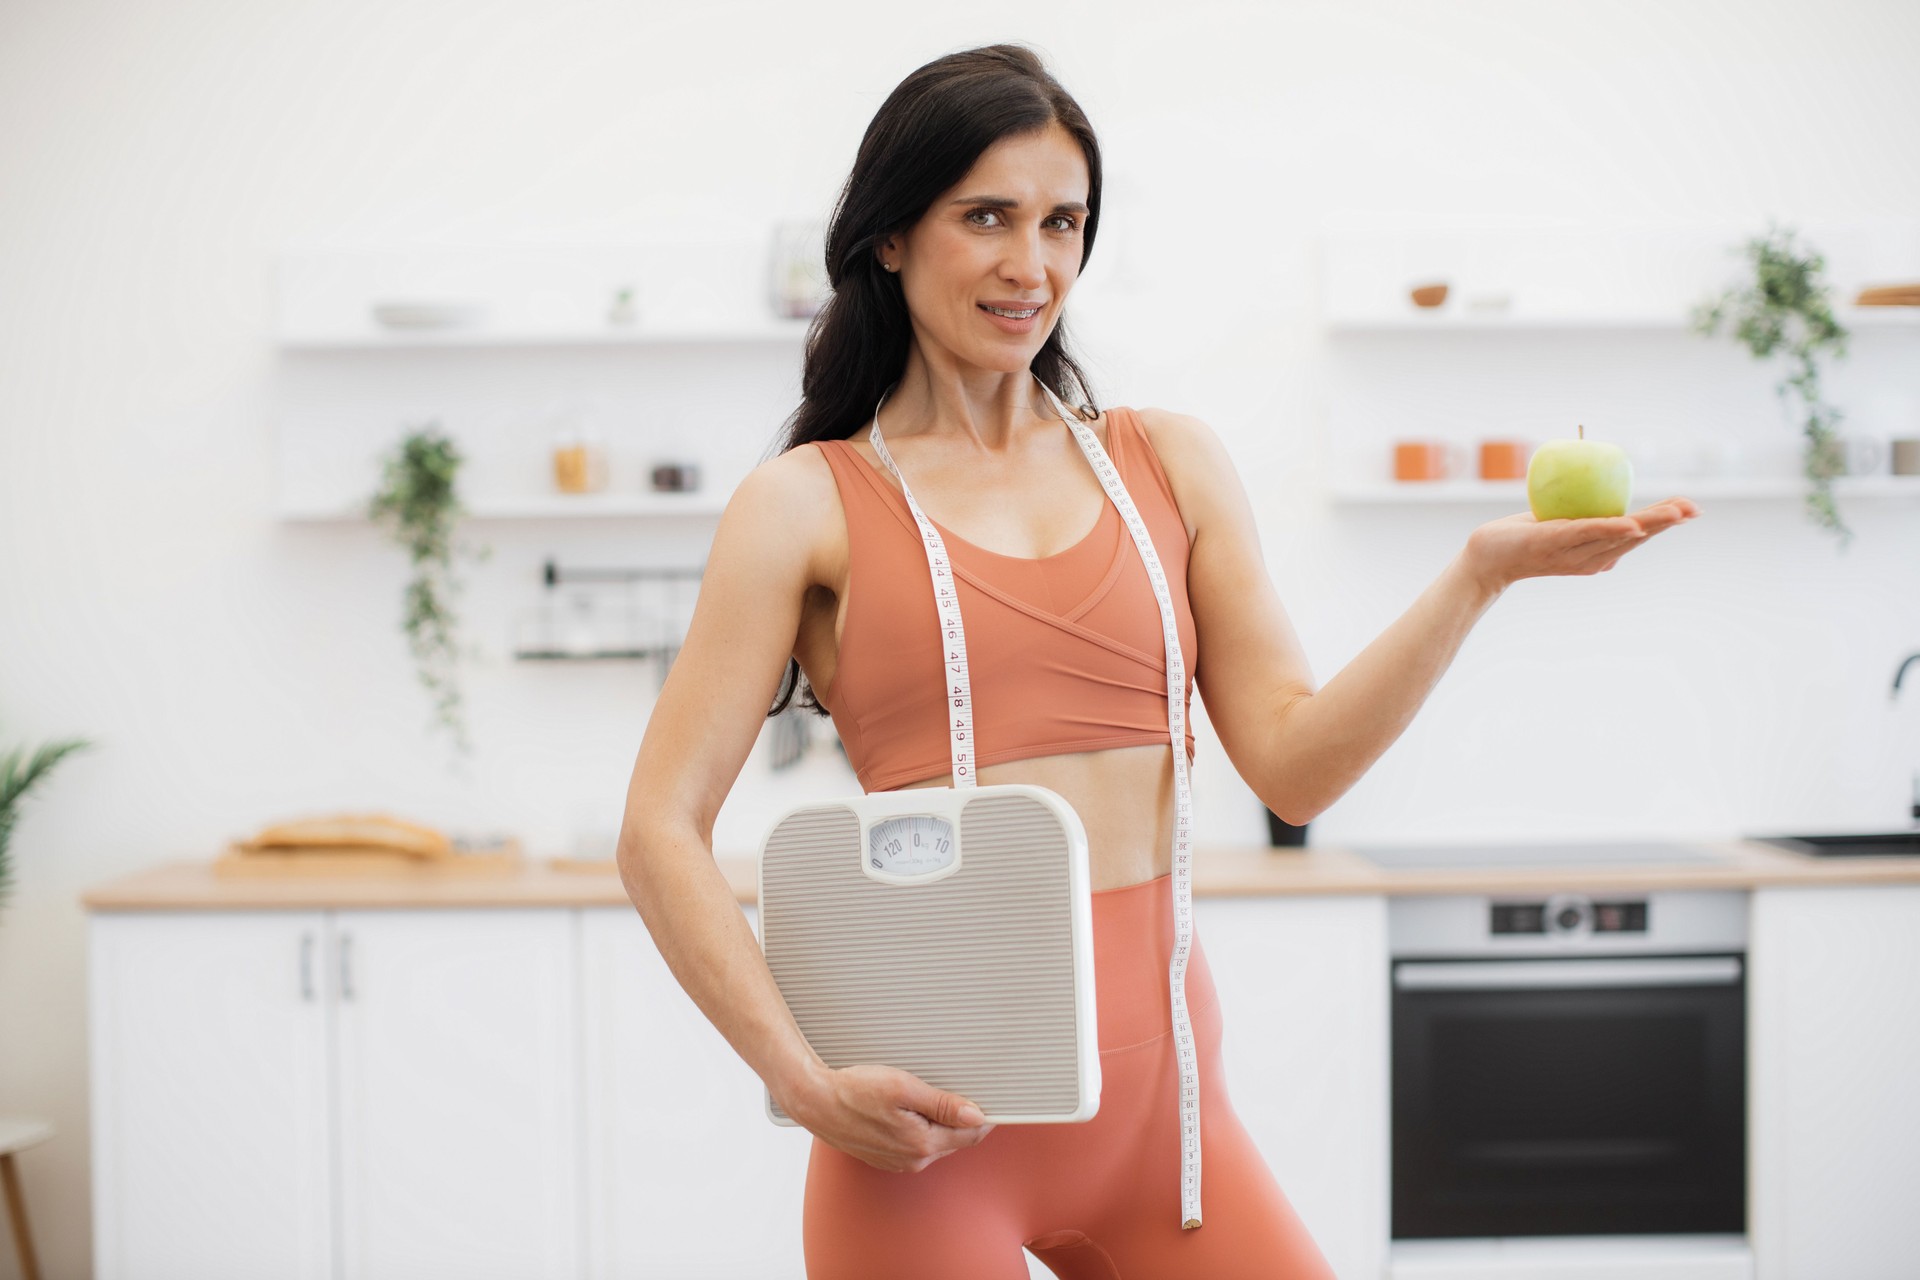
x,y
1219,871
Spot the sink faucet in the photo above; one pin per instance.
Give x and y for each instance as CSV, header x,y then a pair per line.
x,y
1906,662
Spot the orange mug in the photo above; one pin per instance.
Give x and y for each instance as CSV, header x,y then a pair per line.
x,y
1504,459
1427,459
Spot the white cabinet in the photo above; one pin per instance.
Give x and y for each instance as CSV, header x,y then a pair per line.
x,y
515,1092
458,1103
209,1085
527,1092
688,1178
361,1094
1303,1000
1835,1033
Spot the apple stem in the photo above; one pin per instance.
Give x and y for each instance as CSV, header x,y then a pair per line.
x,y
1583,431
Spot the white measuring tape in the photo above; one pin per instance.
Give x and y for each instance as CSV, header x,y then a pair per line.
x,y
960,724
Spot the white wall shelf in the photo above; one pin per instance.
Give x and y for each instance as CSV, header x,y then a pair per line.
x,y
341,298
1450,317
1646,489
582,318
1590,283
1589,278
704,504
770,332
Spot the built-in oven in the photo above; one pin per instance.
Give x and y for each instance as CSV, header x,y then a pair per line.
x,y
1568,1063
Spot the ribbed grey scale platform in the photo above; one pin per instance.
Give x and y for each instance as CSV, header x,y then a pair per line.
x,y
976,975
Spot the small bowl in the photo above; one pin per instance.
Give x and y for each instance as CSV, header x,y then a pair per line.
x,y
1429,295
428,315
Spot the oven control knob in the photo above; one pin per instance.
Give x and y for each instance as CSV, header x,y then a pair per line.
x,y
1569,912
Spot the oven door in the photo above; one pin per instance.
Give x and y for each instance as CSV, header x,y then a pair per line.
x,y
1569,1096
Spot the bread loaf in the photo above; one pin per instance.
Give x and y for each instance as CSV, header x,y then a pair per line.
x,y
1889,295
372,832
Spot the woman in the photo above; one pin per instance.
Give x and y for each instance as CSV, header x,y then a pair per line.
x,y
969,214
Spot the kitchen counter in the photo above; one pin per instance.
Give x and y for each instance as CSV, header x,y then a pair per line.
x,y
1219,871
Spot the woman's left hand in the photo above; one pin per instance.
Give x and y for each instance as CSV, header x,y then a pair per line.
x,y
1506,550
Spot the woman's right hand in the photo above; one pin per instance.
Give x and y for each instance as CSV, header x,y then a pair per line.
x,y
891,1119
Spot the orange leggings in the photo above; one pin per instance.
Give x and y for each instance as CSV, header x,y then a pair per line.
x,y
1098,1200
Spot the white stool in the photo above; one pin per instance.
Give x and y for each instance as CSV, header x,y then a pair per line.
x,y
17,1134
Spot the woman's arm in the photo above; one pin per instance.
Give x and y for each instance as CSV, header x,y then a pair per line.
x,y
1299,748
1326,742
709,713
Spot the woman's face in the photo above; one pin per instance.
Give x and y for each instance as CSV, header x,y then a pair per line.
x,y
1009,236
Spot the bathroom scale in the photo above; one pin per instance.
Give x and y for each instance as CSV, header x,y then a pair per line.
x,y
947,932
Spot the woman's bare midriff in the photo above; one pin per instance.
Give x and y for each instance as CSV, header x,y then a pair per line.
x,y
1124,796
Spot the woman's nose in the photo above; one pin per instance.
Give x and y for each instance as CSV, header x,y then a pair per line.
x,y
1026,264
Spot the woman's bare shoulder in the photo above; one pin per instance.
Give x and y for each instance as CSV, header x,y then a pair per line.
x,y
1198,467
1170,427
802,465
793,496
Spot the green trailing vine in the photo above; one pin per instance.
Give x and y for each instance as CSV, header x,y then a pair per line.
x,y
418,503
18,775
1785,311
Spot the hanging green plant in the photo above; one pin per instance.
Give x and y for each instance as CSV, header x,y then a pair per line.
x,y
1785,312
18,775
418,503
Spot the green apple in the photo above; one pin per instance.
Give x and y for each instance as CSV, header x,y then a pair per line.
x,y
1578,479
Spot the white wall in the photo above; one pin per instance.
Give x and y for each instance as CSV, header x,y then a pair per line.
x,y
1730,677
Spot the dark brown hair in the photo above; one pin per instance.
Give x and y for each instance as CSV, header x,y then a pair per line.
x,y
923,140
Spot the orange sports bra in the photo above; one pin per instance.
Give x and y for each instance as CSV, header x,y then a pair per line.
x,y
1066,650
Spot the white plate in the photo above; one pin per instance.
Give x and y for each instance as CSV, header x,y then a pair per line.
x,y
428,315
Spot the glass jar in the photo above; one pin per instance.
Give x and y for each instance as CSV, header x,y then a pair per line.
x,y
579,459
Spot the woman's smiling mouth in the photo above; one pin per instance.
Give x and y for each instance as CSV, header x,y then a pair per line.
x,y
1010,319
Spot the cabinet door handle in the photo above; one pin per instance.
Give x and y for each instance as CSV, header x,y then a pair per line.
x,y
306,967
346,966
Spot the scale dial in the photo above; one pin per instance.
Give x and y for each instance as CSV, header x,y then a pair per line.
x,y
912,846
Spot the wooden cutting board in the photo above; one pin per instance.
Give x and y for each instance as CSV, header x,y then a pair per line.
x,y
1891,295
358,860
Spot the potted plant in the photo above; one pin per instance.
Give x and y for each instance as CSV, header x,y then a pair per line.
x,y
418,503
17,777
1785,310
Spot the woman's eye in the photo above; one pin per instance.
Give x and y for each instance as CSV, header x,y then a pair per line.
x,y
1066,218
